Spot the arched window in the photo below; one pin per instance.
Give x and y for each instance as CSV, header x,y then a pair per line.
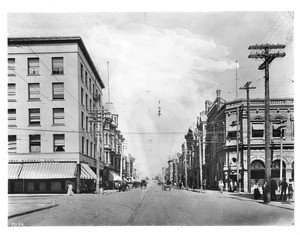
x,y
275,173
257,170
257,164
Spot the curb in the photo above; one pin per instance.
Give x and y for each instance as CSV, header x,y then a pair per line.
x,y
31,211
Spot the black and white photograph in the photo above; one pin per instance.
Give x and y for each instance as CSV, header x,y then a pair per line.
x,y
149,117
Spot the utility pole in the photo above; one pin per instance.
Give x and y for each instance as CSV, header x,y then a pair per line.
x,y
247,88
237,150
268,58
281,135
236,79
98,117
199,134
185,164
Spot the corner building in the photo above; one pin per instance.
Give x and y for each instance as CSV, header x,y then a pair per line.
x,y
228,120
52,86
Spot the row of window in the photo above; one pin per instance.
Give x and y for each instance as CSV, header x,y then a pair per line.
x,y
35,143
58,144
34,91
34,117
33,66
258,131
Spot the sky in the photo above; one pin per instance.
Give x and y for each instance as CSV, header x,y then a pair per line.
x,y
177,59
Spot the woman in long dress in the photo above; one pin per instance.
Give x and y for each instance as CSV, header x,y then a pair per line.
x,y
70,191
256,191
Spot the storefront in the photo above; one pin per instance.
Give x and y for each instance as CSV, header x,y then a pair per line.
x,y
49,177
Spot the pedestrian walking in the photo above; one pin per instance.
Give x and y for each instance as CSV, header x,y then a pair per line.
x,y
257,194
180,184
290,191
70,191
266,190
231,187
204,184
273,190
284,186
221,185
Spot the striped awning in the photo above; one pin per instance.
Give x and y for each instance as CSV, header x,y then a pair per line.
x,y
14,170
114,176
48,170
87,172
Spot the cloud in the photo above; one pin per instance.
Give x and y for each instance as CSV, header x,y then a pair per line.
x,y
173,65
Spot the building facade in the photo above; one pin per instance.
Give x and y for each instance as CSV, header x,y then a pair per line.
x,y
52,86
226,141
113,142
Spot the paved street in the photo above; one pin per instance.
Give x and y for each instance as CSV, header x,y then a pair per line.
x,y
152,206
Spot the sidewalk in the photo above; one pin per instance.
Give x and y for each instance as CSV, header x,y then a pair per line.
x,y
243,196
22,204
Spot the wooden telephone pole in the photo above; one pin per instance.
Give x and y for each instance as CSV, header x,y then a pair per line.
x,y
98,117
247,88
268,57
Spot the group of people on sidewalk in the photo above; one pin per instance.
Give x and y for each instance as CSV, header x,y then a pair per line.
x,y
269,190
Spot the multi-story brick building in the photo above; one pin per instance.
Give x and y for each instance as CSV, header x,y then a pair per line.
x,y
52,86
113,142
224,129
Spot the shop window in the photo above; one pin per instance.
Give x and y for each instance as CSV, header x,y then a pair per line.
x,y
30,186
58,116
33,66
18,187
55,186
33,91
42,186
57,65
35,143
58,91
59,142
34,117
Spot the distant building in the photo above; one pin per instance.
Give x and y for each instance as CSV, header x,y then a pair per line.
x,y
222,128
113,142
52,86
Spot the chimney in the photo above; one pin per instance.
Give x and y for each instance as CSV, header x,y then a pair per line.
x,y
218,93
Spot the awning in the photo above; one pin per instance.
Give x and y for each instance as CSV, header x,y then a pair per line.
x,y
258,126
232,128
87,172
278,126
14,170
48,170
114,176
